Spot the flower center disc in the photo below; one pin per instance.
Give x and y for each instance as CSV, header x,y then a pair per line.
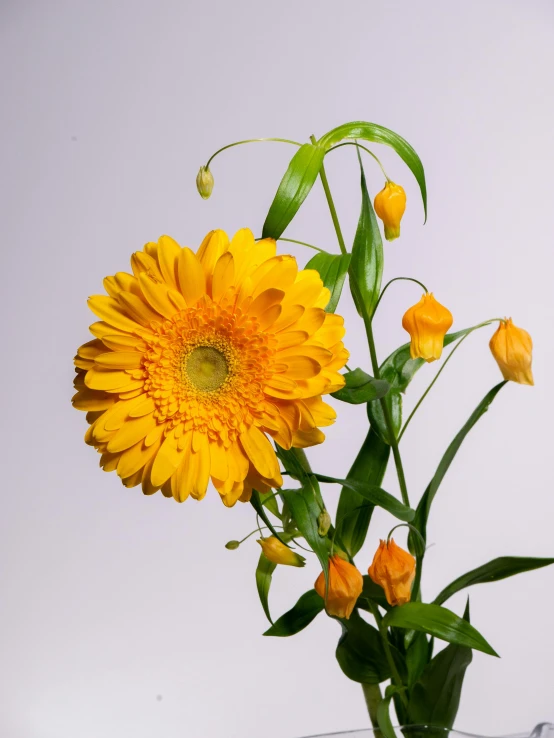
x,y
206,368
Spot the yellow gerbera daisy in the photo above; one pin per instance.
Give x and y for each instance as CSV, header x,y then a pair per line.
x,y
198,358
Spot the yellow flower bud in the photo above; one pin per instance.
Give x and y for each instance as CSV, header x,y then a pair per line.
x,y
278,553
345,586
394,570
204,182
427,322
390,205
511,347
324,523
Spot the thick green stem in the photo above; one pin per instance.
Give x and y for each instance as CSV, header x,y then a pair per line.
x,y
386,413
372,695
331,205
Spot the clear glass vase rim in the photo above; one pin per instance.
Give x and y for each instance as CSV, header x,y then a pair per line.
x,y
537,731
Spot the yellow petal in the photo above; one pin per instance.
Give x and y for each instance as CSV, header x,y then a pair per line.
x,y
224,273
167,460
192,280
156,294
168,258
260,452
138,308
111,312
120,359
131,432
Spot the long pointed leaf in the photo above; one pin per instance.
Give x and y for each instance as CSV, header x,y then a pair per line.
x,y
256,503
422,512
378,134
264,572
299,617
360,652
354,512
494,571
361,388
366,264
332,269
375,495
305,511
438,622
295,186
435,698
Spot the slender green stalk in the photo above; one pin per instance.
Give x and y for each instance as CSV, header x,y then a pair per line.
x,y
396,279
372,695
430,387
396,678
250,140
355,143
331,205
386,413
303,243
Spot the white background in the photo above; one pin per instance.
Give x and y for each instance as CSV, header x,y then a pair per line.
x,y
124,616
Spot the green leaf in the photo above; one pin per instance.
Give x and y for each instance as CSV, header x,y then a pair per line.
x,y
374,592
264,573
353,512
269,501
366,265
378,134
294,188
501,568
256,502
360,652
398,370
439,622
361,387
383,711
417,657
299,617
375,495
435,698
305,510
424,507
332,269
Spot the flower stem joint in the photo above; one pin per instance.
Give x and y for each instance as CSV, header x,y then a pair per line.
x,y
427,323
390,205
393,569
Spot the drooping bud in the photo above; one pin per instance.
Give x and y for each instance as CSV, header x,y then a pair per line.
x,y
232,545
427,323
390,205
394,570
204,182
512,348
278,553
324,523
345,586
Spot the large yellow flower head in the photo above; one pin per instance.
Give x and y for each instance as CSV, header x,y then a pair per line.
x,y
200,360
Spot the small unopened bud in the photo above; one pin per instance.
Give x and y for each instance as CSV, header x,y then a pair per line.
x,y
324,523
390,205
204,182
232,545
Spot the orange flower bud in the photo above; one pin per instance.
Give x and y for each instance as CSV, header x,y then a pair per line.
x,y
390,205
278,553
511,347
394,570
427,322
345,586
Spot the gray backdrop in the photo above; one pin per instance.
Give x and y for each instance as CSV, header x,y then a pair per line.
x,y
125,617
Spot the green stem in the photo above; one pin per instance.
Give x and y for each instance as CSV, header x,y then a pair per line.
x,y
430,387
386,413
303,243
353,143
250,140
331,204
397,279
396,678
372,695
